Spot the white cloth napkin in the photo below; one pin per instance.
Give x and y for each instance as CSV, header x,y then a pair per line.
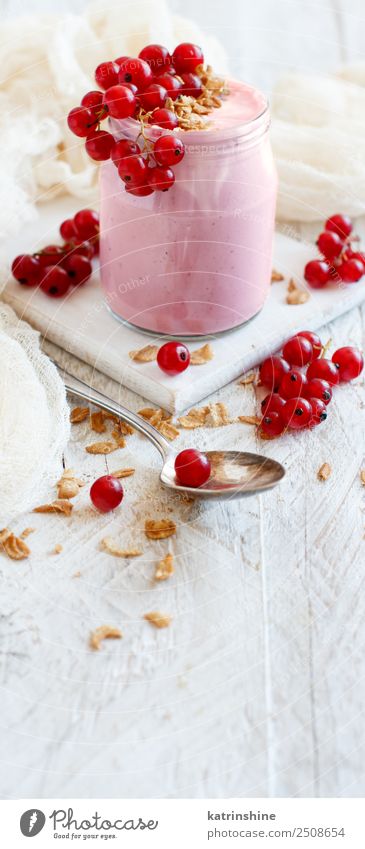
x,y
34,418
318,135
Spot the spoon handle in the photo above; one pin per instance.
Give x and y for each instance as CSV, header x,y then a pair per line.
x,y
75,386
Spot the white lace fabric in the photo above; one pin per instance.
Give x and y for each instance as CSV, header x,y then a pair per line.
x,y
34,418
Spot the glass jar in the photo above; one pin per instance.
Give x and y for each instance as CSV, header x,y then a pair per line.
x,y
196,260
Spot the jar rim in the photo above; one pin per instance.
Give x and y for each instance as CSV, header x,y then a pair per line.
x,y
247,130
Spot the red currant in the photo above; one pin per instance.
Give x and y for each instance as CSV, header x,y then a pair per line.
x,y
317,273
121,61
272,403
26,269
132,88
192,85
298,351
161,179
186,57
55,281
293,384
106,493
135,71
121,101
350,254
51,255
351,270
123,148
153,97
297,413
157,57
132,169
99,145
68,229
173,357
106,75
272,371
318,388
319,412
83,248
171,70
87,223
324,369
330,244
168,150
92,99
140,191
315,341
171,84
192,468
79,269
349,362
272,423
164,118
340,224
81,121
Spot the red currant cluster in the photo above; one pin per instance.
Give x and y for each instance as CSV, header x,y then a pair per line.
x,y
57,267
299,400
139,88
340,262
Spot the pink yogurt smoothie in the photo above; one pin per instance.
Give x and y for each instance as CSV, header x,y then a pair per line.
x,y
195,260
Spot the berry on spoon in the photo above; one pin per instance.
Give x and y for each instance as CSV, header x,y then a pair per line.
x,y
192,468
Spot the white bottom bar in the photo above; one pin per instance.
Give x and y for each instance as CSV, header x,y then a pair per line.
x,y
184,823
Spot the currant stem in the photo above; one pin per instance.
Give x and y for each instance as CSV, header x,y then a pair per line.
x,y
325,348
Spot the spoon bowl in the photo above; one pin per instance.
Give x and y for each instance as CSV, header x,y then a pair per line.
x,y
234,473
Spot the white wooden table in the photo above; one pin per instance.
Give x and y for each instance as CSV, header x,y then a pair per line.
x,y
256,688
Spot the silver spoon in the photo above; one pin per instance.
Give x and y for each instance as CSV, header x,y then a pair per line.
x,y
234,473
